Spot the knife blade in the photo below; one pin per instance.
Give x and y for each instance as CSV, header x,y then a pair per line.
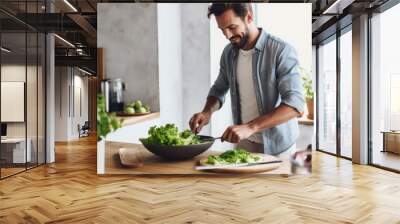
x,y
213,138
235,165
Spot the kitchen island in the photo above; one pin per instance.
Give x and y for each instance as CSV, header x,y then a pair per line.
x,y
157,166
132,128
135,127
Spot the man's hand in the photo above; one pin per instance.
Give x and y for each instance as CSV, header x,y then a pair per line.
x,y
236,133
198,121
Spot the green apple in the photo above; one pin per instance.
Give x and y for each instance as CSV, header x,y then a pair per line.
x,y
129,110
138,104
142,110
147,108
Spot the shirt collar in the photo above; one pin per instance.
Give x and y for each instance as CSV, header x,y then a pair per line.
x,y
260,41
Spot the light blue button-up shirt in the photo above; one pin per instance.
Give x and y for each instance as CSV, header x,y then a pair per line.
x,y
276,80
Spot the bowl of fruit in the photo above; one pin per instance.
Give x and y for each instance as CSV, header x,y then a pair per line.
x,y
168,143
135,108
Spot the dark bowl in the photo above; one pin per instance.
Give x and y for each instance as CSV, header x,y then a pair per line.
x,y
180,152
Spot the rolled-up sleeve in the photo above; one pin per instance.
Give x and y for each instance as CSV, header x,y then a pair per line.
x,y
290,85
221,84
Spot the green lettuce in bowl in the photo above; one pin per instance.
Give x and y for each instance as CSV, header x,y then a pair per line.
x,y
170,135
167,142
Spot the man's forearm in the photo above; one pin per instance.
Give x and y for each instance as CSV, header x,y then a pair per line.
x,y
212,105
280,115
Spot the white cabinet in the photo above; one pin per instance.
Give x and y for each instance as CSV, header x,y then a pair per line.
x,y
16,146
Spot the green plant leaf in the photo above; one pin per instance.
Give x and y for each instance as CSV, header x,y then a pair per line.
x,y
307,83
106,123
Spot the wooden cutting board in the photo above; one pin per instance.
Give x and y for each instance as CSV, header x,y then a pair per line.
x,y
130,158
126,158
247,169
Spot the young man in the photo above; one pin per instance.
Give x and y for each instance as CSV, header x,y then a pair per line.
x,y
261,72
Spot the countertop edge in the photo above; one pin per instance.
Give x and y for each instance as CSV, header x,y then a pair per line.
x,y
138,119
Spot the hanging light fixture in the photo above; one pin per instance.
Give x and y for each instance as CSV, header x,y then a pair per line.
x,y
70,5
64,40
5,50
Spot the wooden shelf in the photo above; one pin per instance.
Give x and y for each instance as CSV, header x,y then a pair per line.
x,y
137,119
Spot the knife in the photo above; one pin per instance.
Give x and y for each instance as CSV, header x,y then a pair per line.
x,y
212,138
234,165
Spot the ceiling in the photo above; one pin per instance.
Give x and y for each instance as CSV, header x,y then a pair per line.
x,y
76,22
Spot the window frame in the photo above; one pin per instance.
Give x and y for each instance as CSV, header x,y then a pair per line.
x,y
334,37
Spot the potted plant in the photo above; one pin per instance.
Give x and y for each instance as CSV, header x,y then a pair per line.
x,y
309,93
106,123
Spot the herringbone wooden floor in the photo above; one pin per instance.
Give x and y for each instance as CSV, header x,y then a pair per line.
x,y
69,191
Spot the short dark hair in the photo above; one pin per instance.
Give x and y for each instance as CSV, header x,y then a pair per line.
x,y
240,9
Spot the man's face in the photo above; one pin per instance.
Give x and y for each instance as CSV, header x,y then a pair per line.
x,y
234,28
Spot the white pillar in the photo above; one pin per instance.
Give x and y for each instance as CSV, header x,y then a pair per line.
x,y
50,92
50,99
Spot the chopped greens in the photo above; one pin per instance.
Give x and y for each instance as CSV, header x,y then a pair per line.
x,y
170,135
235,156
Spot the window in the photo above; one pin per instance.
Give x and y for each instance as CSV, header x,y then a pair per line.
x,y
346,94
22,76
327,97
385,88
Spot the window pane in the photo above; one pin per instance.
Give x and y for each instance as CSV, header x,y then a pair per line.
x,y
346,94
327,97
41,98
31,97
14,150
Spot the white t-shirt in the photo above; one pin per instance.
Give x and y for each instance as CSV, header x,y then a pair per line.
x,y
248,102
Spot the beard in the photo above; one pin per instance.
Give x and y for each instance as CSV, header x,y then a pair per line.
x,y
243,40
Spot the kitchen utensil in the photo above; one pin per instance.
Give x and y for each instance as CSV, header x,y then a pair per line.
x,y
180,152
113,90
212,138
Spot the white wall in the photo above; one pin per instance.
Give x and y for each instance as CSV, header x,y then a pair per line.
x,y
67,81
79,117
62,80
170,75
290,22
195,60
184,80
223,117
128,34
170,72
